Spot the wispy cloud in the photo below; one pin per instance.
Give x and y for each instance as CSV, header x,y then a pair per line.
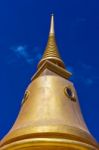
x,y
22,52
86,80
83,73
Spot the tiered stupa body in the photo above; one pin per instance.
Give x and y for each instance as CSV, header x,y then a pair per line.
x,y
50,116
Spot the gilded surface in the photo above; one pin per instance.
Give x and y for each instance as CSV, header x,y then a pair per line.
x,y
49,113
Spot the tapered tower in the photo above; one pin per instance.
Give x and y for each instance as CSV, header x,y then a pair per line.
x,y
50,116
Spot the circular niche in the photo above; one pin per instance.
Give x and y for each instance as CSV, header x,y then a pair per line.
x,y
70,93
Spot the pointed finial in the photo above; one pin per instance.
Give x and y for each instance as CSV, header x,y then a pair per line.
x,y
52,25
51,52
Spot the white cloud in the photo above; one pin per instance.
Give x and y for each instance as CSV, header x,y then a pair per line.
x,y
22,51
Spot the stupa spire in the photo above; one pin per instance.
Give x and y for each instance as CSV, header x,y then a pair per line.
x,y
52,26
51,52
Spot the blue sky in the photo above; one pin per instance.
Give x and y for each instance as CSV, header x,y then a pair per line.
x,y
24,27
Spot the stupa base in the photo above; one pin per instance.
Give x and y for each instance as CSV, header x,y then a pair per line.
x,y
48,144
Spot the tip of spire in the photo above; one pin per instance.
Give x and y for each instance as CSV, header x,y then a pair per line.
x,y
52,25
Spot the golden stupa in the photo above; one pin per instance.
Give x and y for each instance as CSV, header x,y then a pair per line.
x,y
50,117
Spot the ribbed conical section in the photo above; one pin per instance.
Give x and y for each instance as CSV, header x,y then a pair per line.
x,y
51,49
51,52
